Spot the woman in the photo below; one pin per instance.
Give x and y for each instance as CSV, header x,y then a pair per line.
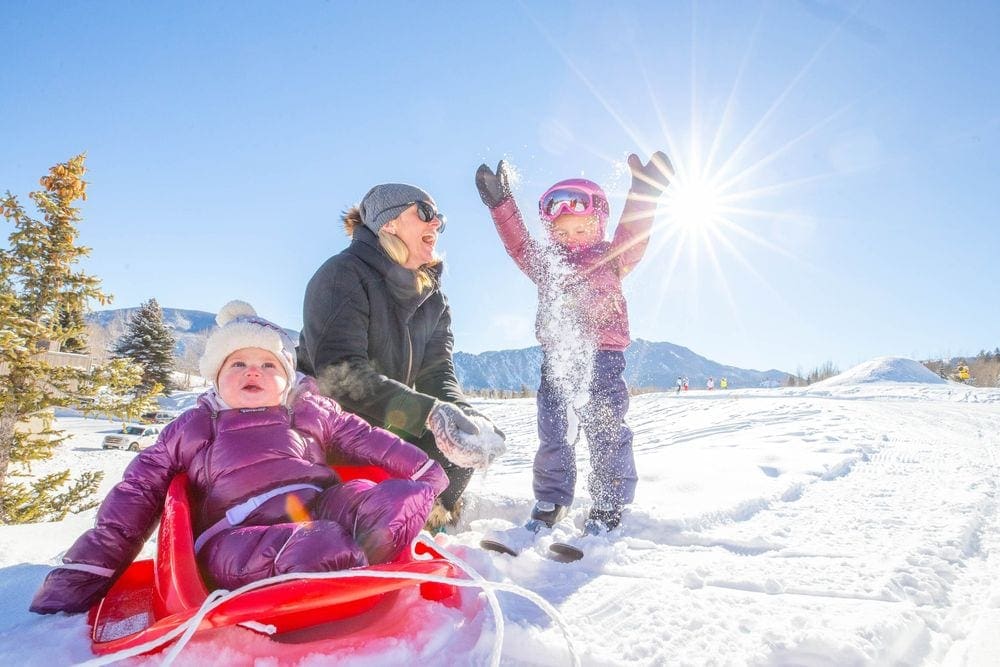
x,y
377,336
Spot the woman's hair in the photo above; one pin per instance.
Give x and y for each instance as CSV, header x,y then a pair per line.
x,y
394,248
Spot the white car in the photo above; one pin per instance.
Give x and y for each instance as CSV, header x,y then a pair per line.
x,y
158,417
134,438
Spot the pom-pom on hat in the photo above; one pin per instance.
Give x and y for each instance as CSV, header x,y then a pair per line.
x,y
385,202
240,327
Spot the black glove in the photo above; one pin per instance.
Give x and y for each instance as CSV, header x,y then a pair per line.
x,y
651,179
472,412
493,188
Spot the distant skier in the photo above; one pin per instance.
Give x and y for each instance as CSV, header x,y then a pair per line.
x,y
710,384
680,383
723,383
582,324
962,373
685,383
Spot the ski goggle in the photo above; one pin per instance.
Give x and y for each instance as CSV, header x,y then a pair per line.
x,y
569,199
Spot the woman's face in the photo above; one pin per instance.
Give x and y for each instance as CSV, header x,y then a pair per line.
x,y
419,237
251,377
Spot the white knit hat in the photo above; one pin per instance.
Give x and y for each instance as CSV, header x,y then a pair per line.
x,y
240,327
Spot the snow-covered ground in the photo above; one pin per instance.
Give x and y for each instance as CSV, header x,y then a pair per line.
x,y
853,522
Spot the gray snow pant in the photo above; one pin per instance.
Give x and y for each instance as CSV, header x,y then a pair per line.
x,y
613,477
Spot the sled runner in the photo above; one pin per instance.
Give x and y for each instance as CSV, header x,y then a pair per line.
x,y
155,597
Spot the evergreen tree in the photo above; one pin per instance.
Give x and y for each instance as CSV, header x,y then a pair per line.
x,y
40,290
148,341
71,320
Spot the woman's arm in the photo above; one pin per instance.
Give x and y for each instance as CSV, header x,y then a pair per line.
x,y
336,333
436,376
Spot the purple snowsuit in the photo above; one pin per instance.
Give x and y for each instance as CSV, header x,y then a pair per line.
x,y
582,325
257,457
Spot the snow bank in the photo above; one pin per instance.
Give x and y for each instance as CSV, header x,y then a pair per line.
x,y
883,369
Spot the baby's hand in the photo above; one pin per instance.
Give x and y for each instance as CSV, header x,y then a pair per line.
x,y
652,178
493,188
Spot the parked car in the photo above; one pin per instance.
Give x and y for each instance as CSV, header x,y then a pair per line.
x,y
157,417
134,437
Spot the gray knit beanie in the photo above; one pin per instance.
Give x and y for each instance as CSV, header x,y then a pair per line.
x,y
385,202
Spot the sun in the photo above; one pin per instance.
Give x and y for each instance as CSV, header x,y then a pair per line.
x,y
695,206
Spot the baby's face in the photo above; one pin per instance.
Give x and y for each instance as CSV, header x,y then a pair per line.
x,y
251,378
575,231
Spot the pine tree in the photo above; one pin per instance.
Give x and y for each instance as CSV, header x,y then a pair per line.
x,y
148,341
70,319
40,294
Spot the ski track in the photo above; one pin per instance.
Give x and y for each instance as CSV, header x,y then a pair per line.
x,y
921,579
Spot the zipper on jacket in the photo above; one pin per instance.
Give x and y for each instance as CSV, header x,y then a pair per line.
x,y
409,359
208,450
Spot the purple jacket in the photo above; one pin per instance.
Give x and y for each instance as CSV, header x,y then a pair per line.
x,y
595,275
229,456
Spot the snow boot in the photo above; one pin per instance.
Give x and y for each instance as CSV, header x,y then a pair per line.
x,y
440,519
602,520
545,514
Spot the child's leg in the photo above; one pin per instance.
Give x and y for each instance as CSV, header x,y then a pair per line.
x,y
554,478
613,477
250,553
383,518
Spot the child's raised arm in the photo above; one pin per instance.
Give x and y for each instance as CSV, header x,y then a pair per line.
x,y
632,234
494,190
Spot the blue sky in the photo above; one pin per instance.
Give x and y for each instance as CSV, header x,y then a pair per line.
x,y
838,161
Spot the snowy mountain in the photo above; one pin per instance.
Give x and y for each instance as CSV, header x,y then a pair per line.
x,y
181,321
853,523
189,327
650,365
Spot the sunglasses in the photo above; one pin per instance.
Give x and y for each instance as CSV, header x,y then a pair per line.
x,y
572,200
425,211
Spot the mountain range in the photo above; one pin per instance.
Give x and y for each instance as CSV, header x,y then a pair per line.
x,y
650,365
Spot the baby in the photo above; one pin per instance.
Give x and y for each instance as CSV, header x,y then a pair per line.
x,y
264,500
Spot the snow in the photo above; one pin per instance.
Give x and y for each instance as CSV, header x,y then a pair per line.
x,y
884,369
853,522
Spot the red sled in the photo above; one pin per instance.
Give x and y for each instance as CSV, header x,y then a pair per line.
x,y
153,598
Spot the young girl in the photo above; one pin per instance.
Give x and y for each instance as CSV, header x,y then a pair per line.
x,y
582,325
264,500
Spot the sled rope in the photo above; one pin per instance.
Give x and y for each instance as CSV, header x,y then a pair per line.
x,y
187,629
491,596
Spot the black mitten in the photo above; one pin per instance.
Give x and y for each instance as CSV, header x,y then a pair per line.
x,y
652,178
493,188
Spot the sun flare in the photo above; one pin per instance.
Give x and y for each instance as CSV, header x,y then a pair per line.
x,y
695,206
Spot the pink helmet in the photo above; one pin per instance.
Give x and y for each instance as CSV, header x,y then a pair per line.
x,y
575,196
